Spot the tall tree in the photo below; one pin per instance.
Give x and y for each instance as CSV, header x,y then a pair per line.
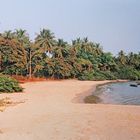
x,y
122,59
12,54
45,40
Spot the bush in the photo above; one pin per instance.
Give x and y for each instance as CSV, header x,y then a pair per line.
x,y
109,75
86,76
9,85
97,76
128,73
104,75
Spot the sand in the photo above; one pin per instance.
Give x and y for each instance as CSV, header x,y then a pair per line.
x,y
53,110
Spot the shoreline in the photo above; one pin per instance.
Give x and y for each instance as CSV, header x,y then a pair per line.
x,y
80,97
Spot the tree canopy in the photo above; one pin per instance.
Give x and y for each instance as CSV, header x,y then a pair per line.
x,y
49,57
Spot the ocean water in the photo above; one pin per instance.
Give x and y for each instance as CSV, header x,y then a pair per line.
x,y
119,93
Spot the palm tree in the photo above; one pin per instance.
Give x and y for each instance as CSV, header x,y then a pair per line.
x,y
133,60
12,53
35,59
61,49
40,50
107,62
122,57
76,44
8,34
45,40
24,39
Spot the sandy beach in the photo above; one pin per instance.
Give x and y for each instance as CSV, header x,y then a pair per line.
x,y
53,110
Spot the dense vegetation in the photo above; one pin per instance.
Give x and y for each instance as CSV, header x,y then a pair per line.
x,y
8,84
49,57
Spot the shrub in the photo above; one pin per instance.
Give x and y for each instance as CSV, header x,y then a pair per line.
x,y
97,76
9,85
128,73
104,75
109,75
86,76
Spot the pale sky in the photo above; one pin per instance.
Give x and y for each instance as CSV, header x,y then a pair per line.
x,y
115,24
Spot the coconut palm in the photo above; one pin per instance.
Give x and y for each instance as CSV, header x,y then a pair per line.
x,y
61,49
12,54
122,58
45,40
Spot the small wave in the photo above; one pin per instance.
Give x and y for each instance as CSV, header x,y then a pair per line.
x,y
118,93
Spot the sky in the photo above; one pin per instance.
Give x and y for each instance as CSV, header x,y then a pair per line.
x,y
115,24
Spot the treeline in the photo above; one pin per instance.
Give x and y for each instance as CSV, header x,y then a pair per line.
x,y
49,57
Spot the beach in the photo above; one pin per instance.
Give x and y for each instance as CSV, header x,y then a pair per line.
x,y
54,110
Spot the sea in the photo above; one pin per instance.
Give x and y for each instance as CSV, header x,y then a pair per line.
x,y
119,93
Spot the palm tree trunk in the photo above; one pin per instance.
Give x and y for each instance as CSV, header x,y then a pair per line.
x,y
30,65
0,61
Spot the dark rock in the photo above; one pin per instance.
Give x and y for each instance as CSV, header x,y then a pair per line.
x,y
138,83
133,85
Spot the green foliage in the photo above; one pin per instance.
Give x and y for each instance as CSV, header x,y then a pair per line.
x,y
104,75
97,76
9,85
128,73
86,76
55,58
